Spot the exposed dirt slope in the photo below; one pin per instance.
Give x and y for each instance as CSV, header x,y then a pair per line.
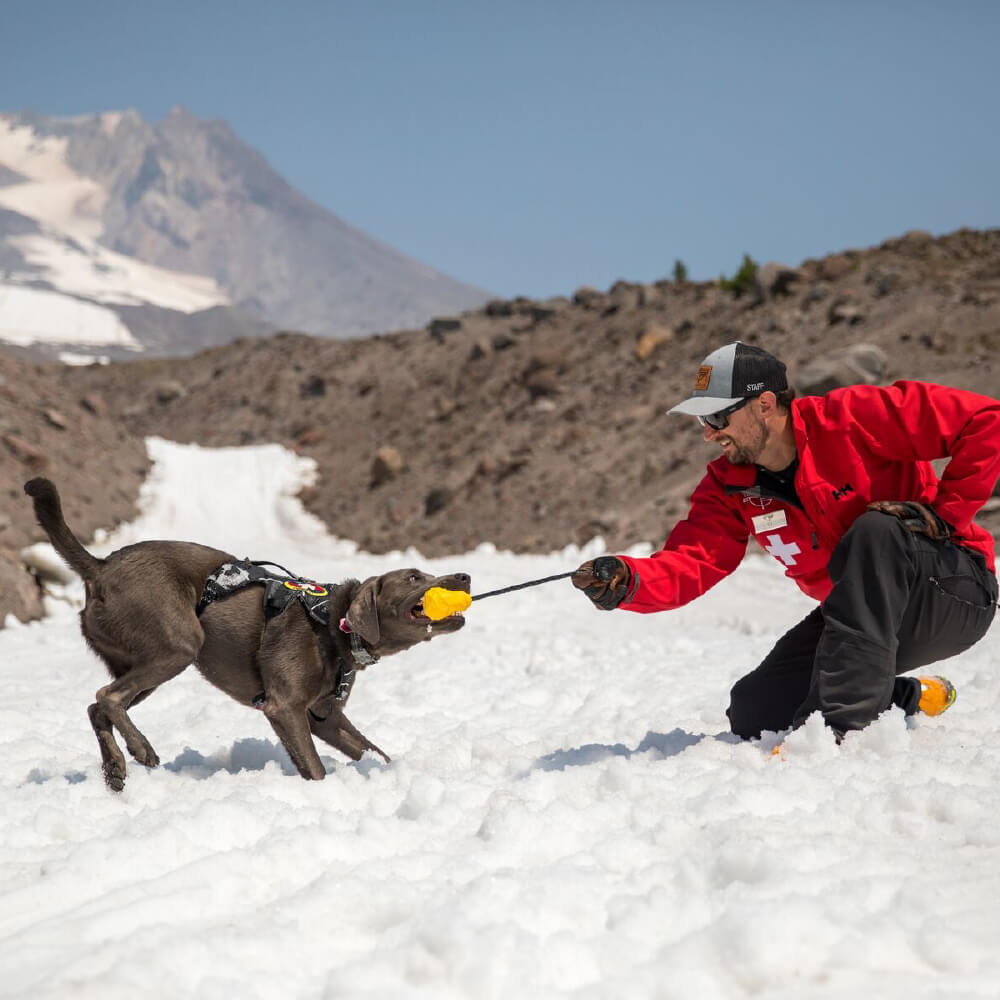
x,y
528,424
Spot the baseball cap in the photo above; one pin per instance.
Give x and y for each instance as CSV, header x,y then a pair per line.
x,y
732,373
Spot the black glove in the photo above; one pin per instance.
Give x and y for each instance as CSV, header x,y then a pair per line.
x,y
604,580
920,518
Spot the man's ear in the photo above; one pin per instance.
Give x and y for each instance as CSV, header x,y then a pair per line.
x,y
768,403
362,615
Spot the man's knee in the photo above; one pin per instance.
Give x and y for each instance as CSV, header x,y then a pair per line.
x,y
743,711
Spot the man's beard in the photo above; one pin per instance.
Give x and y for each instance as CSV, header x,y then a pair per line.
x,y
747,454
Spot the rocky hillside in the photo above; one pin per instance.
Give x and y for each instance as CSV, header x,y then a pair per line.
x,y
529,424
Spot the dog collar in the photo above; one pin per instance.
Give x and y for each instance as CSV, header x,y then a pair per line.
x,y
359,654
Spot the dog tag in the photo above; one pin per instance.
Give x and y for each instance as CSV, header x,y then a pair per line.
x,y
769,522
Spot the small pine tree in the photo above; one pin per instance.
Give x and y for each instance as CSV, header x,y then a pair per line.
x,y
680,271
743,280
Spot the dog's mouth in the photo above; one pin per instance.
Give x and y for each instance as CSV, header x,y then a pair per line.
x,y
417,612
417,615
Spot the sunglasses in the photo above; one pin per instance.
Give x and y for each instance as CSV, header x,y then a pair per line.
x,y
719,420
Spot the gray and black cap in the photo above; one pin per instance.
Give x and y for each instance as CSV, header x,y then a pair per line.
x,y
729,374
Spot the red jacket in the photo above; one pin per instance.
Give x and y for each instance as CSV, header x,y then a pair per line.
x,y
854,445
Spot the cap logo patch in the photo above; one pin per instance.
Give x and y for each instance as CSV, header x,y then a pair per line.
x,y
755,386
703,377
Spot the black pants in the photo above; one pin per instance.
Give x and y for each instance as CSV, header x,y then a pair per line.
x,y
899,601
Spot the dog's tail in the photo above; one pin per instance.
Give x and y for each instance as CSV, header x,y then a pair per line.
x,y
48,510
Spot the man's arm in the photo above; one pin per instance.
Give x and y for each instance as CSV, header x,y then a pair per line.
x,y
701,550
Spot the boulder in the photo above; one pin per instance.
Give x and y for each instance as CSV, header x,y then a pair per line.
x,y
774,279
835,267
652,337
19,591
859,364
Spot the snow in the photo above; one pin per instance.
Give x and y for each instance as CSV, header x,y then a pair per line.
x,y
82,267
565,815
36,316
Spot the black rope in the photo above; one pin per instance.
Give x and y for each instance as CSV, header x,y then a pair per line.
x,y
521,586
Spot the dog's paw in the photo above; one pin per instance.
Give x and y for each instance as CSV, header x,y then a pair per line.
x,y
114,775
143,753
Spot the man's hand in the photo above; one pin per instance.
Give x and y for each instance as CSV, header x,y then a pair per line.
x,y
920,518
604,580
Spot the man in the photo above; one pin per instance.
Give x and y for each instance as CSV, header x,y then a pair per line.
x,y
840,490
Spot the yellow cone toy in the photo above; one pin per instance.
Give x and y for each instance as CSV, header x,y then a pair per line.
x,y
439,603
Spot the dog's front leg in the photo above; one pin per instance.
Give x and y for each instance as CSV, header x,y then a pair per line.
x,y
291,724
337,730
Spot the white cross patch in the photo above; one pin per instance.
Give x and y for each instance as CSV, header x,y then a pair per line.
x,y
785,551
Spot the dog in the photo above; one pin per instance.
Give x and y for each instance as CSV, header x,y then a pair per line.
x,y
154,607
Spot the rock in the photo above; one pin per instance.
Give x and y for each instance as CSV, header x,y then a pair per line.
x,y
884,281
860,364
444,407
94,403
313,387
586,296
387,464
835,267
547,358
654,336
441,325
502,341
19,591
25,451
436,500
55,419
775,280
542,382
844,310
624,295
168,391
499,307
310,436
549,308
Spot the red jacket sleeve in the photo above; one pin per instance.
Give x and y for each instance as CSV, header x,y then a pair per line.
x,y
701,550
922,421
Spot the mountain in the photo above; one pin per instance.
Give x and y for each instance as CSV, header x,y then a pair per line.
x,y
528,424
118,236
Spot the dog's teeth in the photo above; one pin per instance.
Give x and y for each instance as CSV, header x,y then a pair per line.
x,y
430,628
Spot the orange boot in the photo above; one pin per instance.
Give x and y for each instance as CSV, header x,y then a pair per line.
x,y
937,695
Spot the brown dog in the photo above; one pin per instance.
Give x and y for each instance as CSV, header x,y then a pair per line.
x,y
148,615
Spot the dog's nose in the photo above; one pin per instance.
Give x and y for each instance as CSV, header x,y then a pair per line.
x,y
463,577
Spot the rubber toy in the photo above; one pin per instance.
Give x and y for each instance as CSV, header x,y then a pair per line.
x,y
439,603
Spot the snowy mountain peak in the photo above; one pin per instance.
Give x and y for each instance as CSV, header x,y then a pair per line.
x,y
184,216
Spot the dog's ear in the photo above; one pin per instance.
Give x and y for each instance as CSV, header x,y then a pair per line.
x,y
362,615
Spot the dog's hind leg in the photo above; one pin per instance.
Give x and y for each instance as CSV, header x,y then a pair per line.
x,y
110,708
337,730
112,759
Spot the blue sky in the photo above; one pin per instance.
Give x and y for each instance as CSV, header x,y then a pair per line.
x,y
530,148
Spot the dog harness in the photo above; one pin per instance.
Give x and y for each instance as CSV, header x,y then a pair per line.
x,y
279,592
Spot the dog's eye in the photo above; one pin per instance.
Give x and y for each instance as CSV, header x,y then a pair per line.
x,y
414,578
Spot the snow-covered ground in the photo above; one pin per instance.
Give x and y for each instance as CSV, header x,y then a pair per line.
x,y
565,814
38,316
